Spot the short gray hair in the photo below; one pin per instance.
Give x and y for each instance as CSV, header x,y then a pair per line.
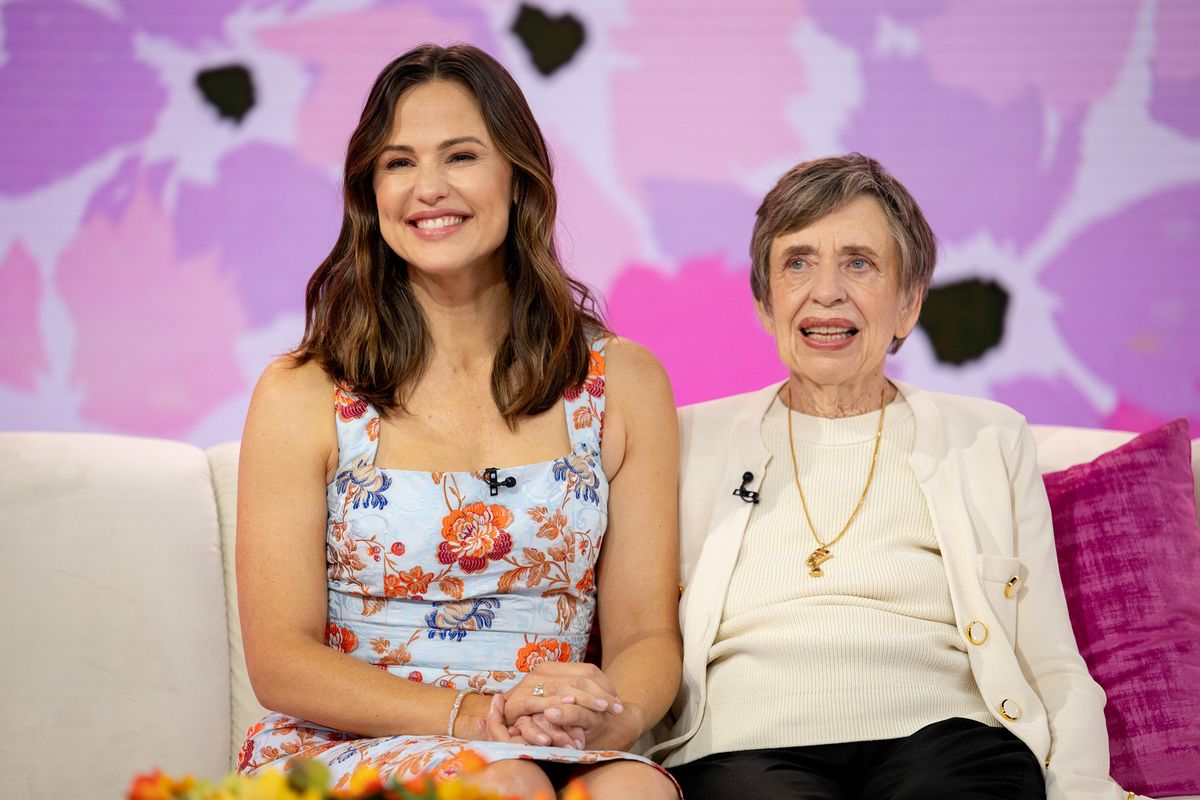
x,y
814,189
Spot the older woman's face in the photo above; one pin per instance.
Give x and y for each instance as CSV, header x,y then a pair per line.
x,y
836,301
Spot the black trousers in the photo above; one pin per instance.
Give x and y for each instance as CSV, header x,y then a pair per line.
x,y
956,759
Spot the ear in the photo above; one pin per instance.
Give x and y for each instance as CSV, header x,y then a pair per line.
x,y
765,318
910,312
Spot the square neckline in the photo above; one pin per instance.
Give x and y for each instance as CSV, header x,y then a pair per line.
x,y
566,406
358,449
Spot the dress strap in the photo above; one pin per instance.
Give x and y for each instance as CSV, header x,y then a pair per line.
x,y
584,404
357,428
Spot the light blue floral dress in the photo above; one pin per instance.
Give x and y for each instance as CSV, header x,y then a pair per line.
x,y
444,578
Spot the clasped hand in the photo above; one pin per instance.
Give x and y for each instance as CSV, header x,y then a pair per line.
x,y
563,705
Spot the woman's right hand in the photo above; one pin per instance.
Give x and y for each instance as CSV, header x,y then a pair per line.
x,y
484,717
538,729
487,722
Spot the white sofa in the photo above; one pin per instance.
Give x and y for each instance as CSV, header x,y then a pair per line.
x,y
124,652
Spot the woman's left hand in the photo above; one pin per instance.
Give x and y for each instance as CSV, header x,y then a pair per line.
x,y
559,684
571,701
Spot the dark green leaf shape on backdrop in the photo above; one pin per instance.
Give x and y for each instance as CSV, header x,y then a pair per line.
x,y
229,89
965,319
551,41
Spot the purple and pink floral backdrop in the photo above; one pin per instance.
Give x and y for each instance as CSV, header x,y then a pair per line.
x,y
170,179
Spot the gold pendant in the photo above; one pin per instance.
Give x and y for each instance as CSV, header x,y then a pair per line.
x,y
815,560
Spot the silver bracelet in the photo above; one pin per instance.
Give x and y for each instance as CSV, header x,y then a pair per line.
x,y
458,701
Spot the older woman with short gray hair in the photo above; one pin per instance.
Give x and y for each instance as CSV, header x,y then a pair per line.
x,y
873,607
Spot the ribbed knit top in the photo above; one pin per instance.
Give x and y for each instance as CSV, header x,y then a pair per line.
x,y
868,651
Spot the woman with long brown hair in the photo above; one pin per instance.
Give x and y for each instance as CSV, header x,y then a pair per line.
x,y
427,481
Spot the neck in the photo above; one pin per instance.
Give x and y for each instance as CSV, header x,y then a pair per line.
x,y
467,315
848,399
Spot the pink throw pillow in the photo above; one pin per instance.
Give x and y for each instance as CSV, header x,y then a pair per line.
x,y
1129,553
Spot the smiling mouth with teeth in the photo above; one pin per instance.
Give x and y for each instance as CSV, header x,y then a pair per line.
x,y
437,222
828,334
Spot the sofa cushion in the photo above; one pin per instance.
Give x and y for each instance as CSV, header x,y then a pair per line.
x,y
1129,553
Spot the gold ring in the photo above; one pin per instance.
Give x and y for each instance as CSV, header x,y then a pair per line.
x,y
539,690
970,631
1011,716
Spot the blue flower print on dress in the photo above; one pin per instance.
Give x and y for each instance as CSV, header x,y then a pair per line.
x,y
365,484
578,471
453,618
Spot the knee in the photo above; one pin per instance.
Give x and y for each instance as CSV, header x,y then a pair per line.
x,y
930,781
617,780
512,777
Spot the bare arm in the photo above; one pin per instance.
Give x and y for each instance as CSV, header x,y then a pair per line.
x,y
289,452
637,574
639,562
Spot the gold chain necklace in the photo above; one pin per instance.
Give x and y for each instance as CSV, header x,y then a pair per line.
x,y
821,554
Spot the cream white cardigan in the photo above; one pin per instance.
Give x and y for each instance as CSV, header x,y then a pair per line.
x,y
976,463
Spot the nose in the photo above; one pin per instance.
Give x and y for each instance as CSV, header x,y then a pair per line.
x,y
431,186
828,287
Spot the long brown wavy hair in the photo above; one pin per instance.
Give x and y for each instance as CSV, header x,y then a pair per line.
x,y
363,324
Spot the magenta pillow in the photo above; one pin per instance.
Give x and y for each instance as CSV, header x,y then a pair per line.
x,y
1129,553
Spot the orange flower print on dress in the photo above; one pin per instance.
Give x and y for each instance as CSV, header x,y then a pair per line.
x,y
582,417
348,406
595,377
247,751
456,766
413,583
473,534
245,755
373,429
587,582
593,384
340,638
541,652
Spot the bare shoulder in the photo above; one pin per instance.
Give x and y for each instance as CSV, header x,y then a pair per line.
x,y
632,373
291,399
640,418
285,377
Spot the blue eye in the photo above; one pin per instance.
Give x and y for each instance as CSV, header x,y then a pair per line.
x,y
859,264
797,264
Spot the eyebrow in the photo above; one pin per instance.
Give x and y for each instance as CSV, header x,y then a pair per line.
x,y
798,250
808,250
446,145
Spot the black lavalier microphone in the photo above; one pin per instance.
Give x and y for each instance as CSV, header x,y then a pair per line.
x,y
489,475
744,493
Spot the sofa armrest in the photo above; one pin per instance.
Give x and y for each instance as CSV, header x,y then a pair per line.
x,y
116,660
245,709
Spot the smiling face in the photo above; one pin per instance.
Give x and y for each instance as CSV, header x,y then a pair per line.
x,y
442,188
836,302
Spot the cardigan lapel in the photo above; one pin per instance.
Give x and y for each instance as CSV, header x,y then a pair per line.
x,y
727,525
939,478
